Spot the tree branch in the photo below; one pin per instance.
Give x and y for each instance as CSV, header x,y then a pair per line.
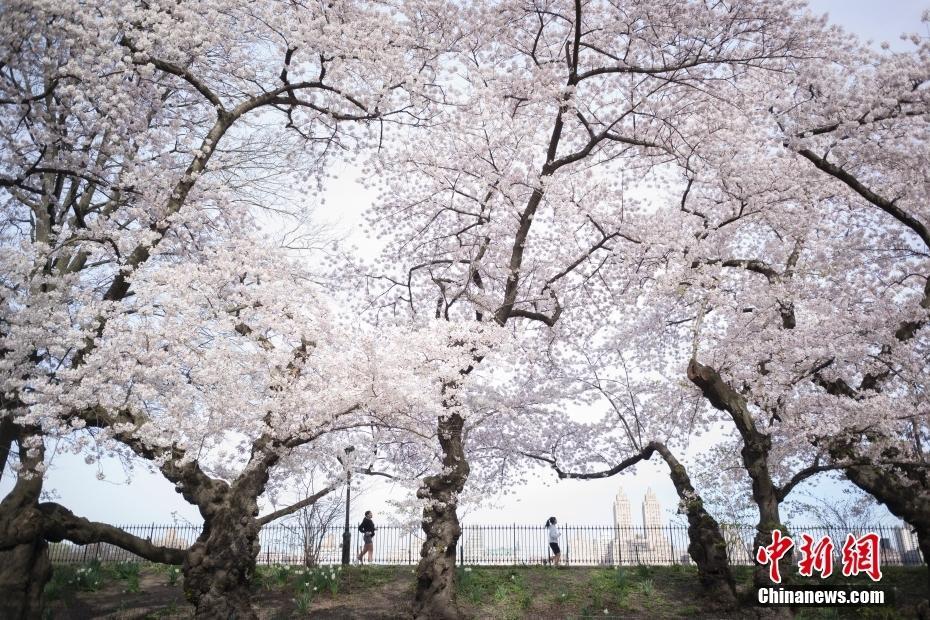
x,y
643,455
61,524
176,70
888,206
308,501
801,476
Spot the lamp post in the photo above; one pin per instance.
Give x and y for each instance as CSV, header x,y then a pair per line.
x,y
346,534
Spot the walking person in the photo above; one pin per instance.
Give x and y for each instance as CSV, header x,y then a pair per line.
x,y
367,528
554,535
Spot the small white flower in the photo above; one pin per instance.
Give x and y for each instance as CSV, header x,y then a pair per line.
x,y
606,612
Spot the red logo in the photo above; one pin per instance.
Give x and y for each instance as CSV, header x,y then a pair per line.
x,y
860,555
816,557
772,553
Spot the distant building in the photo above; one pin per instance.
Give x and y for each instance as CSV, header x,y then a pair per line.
x,y
739,549
172,539
588,546
889,552
659,546
649,544
906,539
474,546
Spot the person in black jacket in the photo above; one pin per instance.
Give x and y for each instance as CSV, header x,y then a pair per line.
x,y
367,528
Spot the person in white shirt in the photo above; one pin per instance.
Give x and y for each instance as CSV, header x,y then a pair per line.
x,y
554,535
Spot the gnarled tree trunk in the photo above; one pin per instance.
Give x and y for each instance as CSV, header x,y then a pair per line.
x,y
219,567
707,546
755,456
24,564
765,494
435,593
24,571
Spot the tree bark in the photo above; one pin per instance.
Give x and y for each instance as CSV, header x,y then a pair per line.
x,y
24,571
435,591
707,547
219,567
755,456
899,493
24,564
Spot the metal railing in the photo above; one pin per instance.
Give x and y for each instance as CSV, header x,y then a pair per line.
x,y
502,545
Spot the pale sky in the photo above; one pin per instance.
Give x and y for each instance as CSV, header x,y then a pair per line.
x,y
149,498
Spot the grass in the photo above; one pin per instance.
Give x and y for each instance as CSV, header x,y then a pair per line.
x,y
128,572
503,593
491,592
93,576
505,588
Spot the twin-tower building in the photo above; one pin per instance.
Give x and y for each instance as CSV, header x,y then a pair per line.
x,y
646,544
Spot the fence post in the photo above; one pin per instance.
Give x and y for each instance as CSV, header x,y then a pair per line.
x,y
268,552
515,543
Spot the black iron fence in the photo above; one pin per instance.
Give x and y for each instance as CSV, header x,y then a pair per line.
x,y
505,545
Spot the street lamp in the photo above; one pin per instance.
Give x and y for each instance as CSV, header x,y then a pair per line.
x,y
346,534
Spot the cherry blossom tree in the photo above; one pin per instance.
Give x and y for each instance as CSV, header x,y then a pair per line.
x,y
517,207
800,282
225,372
132,136
643,416
862,125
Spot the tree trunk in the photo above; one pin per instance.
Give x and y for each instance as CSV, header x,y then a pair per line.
x,y
707,547
24,571
755,455
755,459
219,567
899,493
435,592
24,563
